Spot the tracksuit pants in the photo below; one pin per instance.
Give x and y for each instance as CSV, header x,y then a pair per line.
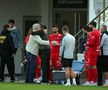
x,y
9,61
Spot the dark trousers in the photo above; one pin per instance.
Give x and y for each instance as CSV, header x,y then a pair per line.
x,y
99,69
45,58
9,61
31,67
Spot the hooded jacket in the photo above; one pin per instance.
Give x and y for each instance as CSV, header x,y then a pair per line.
x,y
44,36
34,42
7,47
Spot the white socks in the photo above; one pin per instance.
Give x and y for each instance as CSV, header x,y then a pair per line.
x,y
68,80
74,81
68,83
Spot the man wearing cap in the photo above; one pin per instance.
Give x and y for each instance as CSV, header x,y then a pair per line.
x,y
32,49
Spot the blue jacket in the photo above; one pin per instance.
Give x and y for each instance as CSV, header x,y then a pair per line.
x,y
17,39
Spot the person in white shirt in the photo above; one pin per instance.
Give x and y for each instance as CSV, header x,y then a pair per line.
x,y
104,53
66,54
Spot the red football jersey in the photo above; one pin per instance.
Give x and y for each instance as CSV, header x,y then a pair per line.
x,y
93,41
55,37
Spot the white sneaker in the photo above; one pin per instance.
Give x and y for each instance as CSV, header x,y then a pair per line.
x,y
37,81
93,83
86,83
67,84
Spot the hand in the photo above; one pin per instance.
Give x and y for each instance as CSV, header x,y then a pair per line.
x,y
86,47
54,43
60,58
13,55
21,64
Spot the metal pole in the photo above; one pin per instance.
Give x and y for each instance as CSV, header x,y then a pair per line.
x,y
75,22
104,8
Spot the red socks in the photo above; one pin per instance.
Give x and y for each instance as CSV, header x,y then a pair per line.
x,y
38,73
94,75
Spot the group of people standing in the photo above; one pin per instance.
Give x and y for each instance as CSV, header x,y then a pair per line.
x,y
8,48
43,51
96,61
52,49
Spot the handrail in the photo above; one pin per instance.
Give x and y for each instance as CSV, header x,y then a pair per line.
x,y
98,16
93,19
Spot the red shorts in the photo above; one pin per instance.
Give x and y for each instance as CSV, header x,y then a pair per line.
x,y
91,58
55,62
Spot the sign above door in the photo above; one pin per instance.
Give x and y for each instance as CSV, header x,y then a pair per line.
x,y
70,3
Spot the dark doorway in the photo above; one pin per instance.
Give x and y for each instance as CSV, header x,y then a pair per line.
x,y
75,20
28,21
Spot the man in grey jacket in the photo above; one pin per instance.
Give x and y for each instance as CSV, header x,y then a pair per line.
x,y
32,49
66,52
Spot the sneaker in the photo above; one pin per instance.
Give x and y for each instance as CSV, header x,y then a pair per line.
x,y
44,83
50,82
93,83
37,81
86,83
67,84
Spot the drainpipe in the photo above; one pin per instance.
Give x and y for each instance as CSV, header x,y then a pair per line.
x,y
103,8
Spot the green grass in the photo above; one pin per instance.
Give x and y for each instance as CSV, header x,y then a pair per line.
x,y
22,86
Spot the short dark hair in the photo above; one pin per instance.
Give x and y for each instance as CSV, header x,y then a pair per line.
x,y
56,25
11,21
87,28
44,26
5,26
65,28
105,27
93,23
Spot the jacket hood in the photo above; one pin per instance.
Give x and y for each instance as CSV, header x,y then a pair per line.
x,y
4,32
13,28
106,32
40,33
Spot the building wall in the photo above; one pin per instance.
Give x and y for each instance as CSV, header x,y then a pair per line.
x,y
46,13
17,9
95,6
